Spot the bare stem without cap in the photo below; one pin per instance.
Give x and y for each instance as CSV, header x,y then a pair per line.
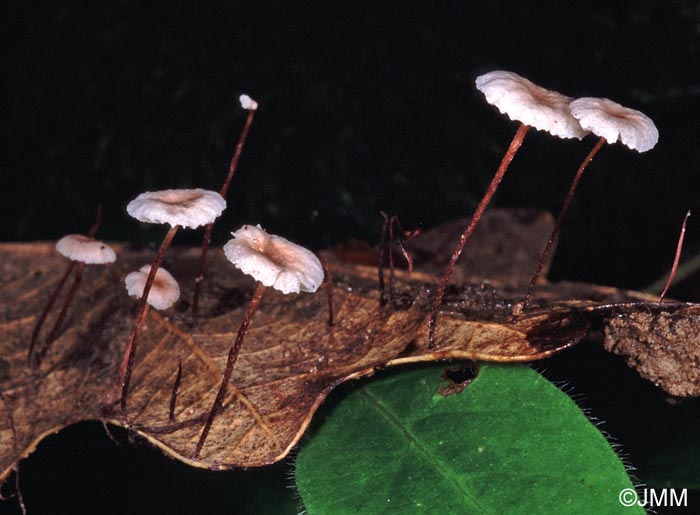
x,y
676,259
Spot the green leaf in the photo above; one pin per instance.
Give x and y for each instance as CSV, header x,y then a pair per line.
x,y
511,442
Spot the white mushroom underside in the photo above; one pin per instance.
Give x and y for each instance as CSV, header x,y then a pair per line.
x,y
523,101
164,292
274,261
186,208
86,250
615,122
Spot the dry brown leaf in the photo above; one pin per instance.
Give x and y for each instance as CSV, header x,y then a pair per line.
x,y
290,360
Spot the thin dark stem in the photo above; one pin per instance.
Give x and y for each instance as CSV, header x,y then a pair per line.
x,y
173,394
232,357
676,259
329,287
98,222
128,360
47,308
560,219
208,229
505,162
392,273
62,315
237,154
380,267
61,283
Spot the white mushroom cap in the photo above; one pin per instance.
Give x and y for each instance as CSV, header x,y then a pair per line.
x,y
186,208
274,261
530,104
164,292
248,103
614,122
77,247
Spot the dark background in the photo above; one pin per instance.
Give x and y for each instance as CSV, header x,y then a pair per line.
x,y
363,107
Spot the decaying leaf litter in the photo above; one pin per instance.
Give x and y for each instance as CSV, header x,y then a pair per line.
x,y
292,357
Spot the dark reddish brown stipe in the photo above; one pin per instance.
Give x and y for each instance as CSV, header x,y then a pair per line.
x,y
128,360
560,219
228,371
380,267
62,315
55,294
207,231
329,287
47,308
505,162
174,392
676,259
392,222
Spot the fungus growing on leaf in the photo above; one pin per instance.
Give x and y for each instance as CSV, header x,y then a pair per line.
x,y
273,262
611,122
531,105
178,208
80,250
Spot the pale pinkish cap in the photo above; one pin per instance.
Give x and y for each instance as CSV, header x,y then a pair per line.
x,y
530,104
614,122
186,208
164,292
274,261
77,247
248,103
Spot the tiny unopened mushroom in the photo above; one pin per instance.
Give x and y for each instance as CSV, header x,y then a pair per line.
x,y
273,262
247,103
531,105
189,208
251,106
80,250
611,122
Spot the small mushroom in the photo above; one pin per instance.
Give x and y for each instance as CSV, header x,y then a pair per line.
x,y
611,122
251,106
531,105
247,103
188,208
273,262
80,250
164,292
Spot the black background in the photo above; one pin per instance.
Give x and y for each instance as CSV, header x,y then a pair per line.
x,y
363,107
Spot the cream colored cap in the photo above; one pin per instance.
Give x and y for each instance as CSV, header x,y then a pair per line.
x,y
164,292
523,101
186,208
86,250
274,261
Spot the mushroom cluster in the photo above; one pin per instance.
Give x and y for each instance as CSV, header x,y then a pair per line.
x,y
559,115
274,262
